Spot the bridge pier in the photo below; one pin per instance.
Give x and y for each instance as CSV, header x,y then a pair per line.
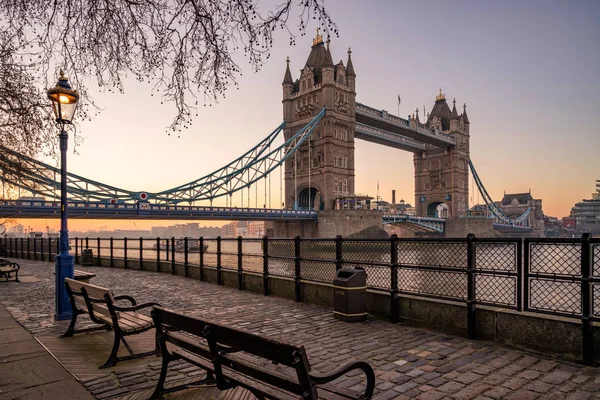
x,y
330,223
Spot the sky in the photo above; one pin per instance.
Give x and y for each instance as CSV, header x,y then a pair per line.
x,y
527,71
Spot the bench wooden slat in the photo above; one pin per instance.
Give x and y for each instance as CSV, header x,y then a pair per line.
x,y
273,349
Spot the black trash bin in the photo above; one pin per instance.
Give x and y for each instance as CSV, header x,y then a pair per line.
x,y
87,257
350,294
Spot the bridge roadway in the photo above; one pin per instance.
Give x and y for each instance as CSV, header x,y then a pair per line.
x,y
409,363
100,210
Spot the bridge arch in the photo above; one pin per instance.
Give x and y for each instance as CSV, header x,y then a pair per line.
x,y
438,209
309,198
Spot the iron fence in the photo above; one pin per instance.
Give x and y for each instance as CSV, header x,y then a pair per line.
x,y
551,276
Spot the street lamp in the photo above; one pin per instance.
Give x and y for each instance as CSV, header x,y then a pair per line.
x,y
64,101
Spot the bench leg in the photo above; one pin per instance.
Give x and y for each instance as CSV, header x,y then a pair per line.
x,y
112,359
71,329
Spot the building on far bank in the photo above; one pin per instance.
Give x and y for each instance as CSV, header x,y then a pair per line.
x,y
515,204
587,213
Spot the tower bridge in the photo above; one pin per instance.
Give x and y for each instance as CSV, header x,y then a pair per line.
x,y
322,120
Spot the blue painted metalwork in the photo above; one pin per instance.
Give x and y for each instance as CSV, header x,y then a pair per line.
x,y
503,219
427,223
40,179
143,210
63,262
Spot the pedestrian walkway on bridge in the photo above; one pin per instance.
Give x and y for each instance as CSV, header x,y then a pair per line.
x,y
408,362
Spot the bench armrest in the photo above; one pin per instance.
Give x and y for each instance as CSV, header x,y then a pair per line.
x,y
319,378
136,307
125,297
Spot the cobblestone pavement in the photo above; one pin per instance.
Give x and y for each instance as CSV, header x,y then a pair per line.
x,y
408,362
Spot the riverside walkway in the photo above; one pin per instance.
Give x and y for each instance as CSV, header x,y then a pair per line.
x,y
408,362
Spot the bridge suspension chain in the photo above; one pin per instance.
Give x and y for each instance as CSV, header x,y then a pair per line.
x,y
39,178
492,205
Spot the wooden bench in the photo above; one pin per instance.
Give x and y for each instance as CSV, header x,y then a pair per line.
x,y
100,304
266,367
8,267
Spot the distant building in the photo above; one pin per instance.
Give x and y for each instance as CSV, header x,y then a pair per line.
x,y
256,229
514,205
587,213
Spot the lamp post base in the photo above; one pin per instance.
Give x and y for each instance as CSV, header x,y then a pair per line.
x,y
64,268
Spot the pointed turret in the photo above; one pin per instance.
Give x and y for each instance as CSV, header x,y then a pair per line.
x,y
464,114
328,58
454,114
454,118
287,79
349,66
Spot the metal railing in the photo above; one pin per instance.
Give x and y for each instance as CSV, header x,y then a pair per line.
x,y
546,276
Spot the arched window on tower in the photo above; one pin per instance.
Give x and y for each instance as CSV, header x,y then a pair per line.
x,y
345,186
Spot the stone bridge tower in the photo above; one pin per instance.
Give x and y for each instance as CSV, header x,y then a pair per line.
x,y
324,167
442,175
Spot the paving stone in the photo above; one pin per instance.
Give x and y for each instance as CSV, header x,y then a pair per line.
x,y
470,391
538,387
514,383
557,377
497,392
545,365
529,375
450,387
522,395
431,395
579,395
404,387
468,377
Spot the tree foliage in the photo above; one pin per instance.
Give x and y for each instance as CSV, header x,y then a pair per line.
x,y
186,50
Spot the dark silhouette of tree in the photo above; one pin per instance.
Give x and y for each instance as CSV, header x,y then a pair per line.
x,y
185,49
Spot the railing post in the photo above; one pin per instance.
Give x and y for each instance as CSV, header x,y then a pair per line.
x,y
141,254
201,258
185,258
49,249
22,249
587,301
112,258
157,254
297,262
42,249
395,309
520,275
76,250
28,249
125,253
265,249
87,243
338,252
34,249
219,276
471,296
168,249
172,256
240,264
526,268
98,247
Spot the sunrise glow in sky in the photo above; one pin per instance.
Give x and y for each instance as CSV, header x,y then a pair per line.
x,y
526,69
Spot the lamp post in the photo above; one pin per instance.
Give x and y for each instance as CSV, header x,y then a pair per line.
x,y
64,101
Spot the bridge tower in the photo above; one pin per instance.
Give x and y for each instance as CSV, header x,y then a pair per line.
x,y
441,175
324,167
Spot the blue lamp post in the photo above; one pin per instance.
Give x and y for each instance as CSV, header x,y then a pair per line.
x,y
64,101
